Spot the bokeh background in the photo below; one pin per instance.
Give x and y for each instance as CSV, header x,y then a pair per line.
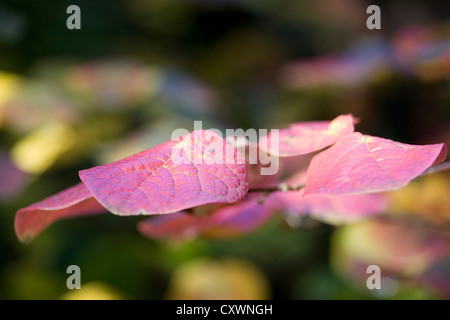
x,y
137,70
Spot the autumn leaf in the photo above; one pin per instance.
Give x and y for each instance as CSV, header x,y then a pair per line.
x,y
72,202
306,137
362,164
426,198
150,182
396,246
237,219
335,210
201,168
218,279
263,168
178,226
227,221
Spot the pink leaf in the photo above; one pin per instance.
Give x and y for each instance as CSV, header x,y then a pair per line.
x,y
72,202
305,137
358,65
227,221
330,209
362,164
258,162
297,179
178,225
237,219
201,168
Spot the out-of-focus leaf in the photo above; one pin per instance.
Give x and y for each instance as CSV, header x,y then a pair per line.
x,y
225,279
306,137
423,51
177,226
9,84
436,277
140,139
13,180
296,180
427,198
227,221
362,164
336,210
39,150
263,168
233,220
420,51
187,95
35,103
360,64
72,202
94,291
397,247
201,168
112,85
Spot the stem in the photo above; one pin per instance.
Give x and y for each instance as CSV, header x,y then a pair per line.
x,y
281,187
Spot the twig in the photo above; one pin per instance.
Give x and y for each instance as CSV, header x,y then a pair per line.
x,y
281,187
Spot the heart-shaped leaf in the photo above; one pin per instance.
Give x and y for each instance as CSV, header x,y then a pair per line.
x,y
362,164
306,137
198,169
72,202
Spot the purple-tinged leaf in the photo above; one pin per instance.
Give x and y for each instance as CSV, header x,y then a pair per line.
x,y
198,169
360,64
237,219
227,221
296,180
365,164
179,225
72,202
334,210
258,162
306,137
399,247
13,179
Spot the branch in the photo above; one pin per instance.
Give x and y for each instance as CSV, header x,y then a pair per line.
x,y
281,187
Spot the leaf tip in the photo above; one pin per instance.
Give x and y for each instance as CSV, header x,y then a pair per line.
x,y
22,234
442,154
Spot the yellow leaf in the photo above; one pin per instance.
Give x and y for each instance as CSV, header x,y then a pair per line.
x,y
9,84
229,279
93,291
427,198
39,150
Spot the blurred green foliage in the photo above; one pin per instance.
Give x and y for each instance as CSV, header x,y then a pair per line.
x,y
137,70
